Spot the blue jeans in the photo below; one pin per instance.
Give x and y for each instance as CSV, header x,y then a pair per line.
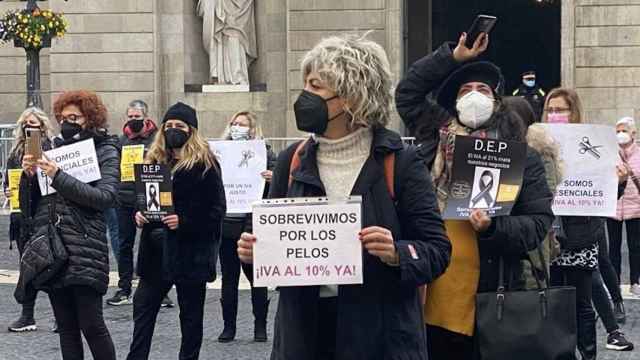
x,y
111,219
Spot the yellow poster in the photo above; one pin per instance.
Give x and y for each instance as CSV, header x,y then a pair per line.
x,y
14,187
131,155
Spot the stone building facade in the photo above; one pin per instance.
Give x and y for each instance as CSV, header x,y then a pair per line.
x,y
152,50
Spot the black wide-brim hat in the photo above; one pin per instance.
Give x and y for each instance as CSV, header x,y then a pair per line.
x,y
480,71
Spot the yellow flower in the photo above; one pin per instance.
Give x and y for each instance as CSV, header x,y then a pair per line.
x,y
50,25
42,27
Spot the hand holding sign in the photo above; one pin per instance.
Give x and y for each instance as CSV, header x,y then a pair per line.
x,y
49,167
141,220
623,173
245,248
172,221
378,242
480,221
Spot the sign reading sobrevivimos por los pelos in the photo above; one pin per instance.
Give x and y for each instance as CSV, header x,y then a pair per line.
x,y
242,163
486,174
307,241
590,184
78,160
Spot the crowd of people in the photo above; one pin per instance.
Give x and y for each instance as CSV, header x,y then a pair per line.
x,y
346,105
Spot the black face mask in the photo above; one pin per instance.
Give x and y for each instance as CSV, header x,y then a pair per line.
x,y
135,125
312,114
175,138
69,130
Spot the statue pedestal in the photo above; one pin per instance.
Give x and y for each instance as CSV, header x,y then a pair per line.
x,y
225,88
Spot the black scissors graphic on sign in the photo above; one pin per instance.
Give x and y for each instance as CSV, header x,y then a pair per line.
x,y
586,147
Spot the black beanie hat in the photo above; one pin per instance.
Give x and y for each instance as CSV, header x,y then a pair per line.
x,y
181,111
479,71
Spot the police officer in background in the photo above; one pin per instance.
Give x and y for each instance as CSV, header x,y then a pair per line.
x,y
531,92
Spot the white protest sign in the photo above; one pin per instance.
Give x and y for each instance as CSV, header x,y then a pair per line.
x,y
305,242
78,160
590,184
241,162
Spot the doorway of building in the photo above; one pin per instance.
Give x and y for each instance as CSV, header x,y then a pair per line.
x,y
526,36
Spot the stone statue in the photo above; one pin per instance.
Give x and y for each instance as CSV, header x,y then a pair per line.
x,y
229,36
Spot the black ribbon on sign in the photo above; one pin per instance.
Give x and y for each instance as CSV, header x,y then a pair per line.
x,y
485,189
153,201
246,155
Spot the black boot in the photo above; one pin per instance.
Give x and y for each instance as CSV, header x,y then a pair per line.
x,y
260,305
587,340
229,313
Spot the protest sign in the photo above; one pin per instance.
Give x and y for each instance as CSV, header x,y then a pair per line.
x,y
131,155
153,191
590,154
486,174
78,160
14,187
241,162
307,242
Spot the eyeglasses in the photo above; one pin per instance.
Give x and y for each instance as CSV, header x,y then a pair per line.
x,y
554,110
73,118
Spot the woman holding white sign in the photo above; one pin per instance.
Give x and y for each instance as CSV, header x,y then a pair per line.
x,y
32,119
181,249
75,210
580,239
346,105
243,126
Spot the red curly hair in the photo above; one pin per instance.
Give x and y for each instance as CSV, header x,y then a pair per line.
x,y
89,104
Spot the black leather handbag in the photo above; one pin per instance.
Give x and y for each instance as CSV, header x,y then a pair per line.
x,y
58,251
537,324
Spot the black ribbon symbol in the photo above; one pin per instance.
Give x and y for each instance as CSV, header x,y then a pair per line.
x,y
486,184
246,155
153,201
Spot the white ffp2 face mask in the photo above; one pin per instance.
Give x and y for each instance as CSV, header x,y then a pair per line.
x,y
240,132
623,138
474,109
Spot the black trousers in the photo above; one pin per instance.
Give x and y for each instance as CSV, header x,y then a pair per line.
x,y
127,230
582,280
231,266
608,272
78,309
614,228
146,304
327,324
602,304
443,344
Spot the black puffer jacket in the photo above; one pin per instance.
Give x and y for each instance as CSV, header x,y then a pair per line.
x,y
510,237
188,254
80,209
382,318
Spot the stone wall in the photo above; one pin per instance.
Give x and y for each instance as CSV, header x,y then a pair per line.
x,y
604,64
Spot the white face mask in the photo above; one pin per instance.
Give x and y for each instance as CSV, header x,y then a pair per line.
x,y
623,138
240,132
474,109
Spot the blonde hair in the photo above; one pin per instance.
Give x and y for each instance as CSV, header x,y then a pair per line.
x,y
358,71
628,123
194,151
572,99
255,131
18,132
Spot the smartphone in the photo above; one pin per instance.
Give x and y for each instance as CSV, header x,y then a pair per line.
x,y
33,144
482,24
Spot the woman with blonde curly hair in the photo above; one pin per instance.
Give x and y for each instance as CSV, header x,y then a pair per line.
x,y
76,210
180,250
346,105
30,120
242,126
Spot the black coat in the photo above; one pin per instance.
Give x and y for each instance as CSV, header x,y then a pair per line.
x,y
509,237
126,190
189,253
381,319
79,207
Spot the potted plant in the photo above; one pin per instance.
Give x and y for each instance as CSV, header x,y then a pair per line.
x,y
32,29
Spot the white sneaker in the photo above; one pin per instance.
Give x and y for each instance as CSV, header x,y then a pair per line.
x,y
635,290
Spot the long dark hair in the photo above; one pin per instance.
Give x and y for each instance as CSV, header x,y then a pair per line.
x,y
509,125
522,108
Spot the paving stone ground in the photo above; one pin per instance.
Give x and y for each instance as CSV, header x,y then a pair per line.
x,y
43,344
